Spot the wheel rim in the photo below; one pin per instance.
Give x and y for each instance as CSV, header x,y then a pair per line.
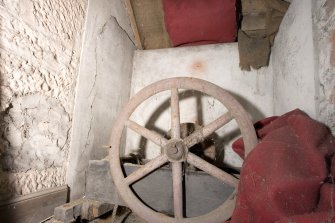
x,y
175,146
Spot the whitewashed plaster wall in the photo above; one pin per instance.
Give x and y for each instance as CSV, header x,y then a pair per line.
x,y
40,44
218,64
293,62
324,40
303,61
103,86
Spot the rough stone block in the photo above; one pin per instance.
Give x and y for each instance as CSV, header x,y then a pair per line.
x,y
93,209
68,212
98,189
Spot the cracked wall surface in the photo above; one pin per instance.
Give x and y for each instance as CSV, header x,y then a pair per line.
x,y
303,61
39,57
103,86
324,37
292,62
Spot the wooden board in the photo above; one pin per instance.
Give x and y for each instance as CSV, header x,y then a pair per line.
x,y
149,18
133,24
33,208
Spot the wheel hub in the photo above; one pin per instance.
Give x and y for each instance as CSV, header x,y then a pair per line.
x,y
176,150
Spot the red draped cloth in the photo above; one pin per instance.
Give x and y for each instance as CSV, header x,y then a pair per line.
x,y
289,175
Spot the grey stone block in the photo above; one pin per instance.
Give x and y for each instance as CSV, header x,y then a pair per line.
x,y
87,209
68,213
91,209
99,183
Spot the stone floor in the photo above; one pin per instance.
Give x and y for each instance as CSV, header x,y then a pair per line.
x,y
124,215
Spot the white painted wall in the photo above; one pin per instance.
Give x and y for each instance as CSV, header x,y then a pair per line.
x,y
300,74
103,86
293,64
218,64
302,61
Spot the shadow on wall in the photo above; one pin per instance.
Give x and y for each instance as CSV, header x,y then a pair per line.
x,y
213,140
4,177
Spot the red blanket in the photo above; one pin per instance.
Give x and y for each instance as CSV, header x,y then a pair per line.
x,y
289,176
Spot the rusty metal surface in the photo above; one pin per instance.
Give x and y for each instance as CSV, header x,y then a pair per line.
x,y
207,149
172,146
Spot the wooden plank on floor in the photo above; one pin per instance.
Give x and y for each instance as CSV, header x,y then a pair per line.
x,y
33,208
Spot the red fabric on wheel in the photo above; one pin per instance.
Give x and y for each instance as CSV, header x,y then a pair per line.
x,y
287,178
196,22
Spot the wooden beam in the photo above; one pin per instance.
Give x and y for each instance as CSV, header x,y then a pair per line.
x,y
133,24
149,15
34,207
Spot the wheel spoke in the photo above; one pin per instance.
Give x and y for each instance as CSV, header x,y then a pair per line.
x,y
175,115
146,169
177,177
201,134
151,135
212,170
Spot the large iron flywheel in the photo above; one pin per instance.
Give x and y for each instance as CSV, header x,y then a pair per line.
x,y
176,150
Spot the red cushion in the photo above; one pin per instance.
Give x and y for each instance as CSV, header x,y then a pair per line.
x,y
196,22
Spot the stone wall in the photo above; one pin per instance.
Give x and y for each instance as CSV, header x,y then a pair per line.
x,y
39,58
324,37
